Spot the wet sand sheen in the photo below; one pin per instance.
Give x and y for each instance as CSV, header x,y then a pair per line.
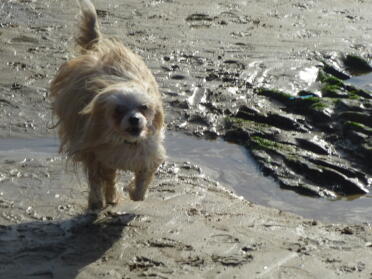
x,y
228,164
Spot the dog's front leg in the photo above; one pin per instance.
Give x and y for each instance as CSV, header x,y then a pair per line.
x,y
110,189
96,198
137,190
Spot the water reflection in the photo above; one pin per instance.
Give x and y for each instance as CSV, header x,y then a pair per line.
x,y
231,165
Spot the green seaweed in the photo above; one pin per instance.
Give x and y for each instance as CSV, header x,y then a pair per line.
x,y
331,90
244,123
276,95
354,96
359,117
309,101
354,124
332,72
358,127
301,103
356,93
330,85
266,144
329,79
318,106
313,104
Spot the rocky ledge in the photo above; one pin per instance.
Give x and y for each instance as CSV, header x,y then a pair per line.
x,y
316,142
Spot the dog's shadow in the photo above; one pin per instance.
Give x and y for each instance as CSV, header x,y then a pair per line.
x,y
57,249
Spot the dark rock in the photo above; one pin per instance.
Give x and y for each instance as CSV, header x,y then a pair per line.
x,y
253,114
232,260
318,147
299,187
358,92
238,135
334,72
284,122
211,135
202,119
350,105
329,79
342,168
350,126
347,230
180,104
211,76
281,121
356,65
178,76
199,17
321,117
366,150
355,137
328,178
277,95
7,102
362,117
239,65
333,91
16,86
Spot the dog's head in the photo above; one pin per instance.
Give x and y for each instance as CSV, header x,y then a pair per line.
x,y
126,111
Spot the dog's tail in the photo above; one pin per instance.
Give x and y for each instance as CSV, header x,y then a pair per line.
x,y
88,34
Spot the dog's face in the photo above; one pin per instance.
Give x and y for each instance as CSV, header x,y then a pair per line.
x,y
127,112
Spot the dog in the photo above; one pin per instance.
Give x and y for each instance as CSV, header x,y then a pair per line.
x,y
110,113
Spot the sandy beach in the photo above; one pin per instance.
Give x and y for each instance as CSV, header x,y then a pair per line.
x,y
209,58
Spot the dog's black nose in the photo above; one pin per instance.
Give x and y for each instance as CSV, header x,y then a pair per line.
x,y
133,120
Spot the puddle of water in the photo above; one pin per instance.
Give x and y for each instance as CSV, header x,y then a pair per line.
x,y
232,165
229,164
364,81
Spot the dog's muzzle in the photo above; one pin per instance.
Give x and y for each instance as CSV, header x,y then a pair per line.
x,y
135,129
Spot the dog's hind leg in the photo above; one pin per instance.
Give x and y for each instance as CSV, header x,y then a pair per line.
x,y
138,187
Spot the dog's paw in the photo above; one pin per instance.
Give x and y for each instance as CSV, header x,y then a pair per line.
x,y
96,205
136,196
112,197
112,201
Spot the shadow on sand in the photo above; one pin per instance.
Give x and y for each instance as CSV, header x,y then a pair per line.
x,y
58,249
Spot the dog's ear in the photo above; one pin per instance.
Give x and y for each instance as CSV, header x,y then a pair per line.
x,y
88,108
98,103
158,121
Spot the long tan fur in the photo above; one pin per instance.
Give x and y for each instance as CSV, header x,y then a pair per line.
x,y
91,95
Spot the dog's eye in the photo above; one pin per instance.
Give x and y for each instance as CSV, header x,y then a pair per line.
x,y
143,107
120,111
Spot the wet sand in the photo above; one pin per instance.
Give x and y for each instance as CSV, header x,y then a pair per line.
x,y
189,226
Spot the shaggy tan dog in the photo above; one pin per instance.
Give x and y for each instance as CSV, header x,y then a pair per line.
x,y
110,113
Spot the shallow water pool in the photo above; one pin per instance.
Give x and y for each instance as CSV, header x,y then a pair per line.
x,y
231,165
